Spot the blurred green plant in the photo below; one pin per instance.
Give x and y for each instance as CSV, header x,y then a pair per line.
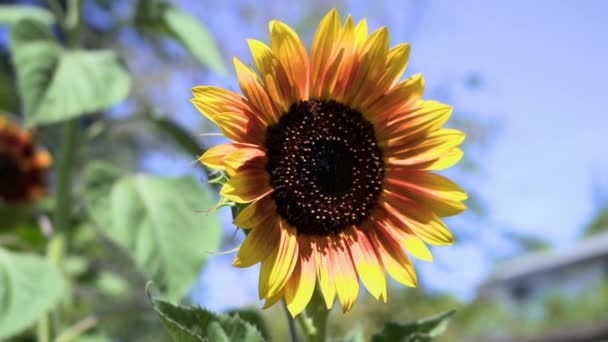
x,y
65,263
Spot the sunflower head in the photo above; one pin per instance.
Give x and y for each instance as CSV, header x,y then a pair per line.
x,y
23,167
334,154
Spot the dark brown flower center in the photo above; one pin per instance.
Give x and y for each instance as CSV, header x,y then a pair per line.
x,y
325,166
12,178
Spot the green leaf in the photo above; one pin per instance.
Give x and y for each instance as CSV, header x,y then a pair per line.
x,y
419,331
157,220
11,14
8,93
58,84
189,324
161,17
179,135
254,317
29,287
195,37
355,335
111,284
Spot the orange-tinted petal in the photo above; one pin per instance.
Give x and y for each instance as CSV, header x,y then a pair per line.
x,y
433,191
393,225
418,219
368,264
401,98
397,264
405,128
241,128
344,273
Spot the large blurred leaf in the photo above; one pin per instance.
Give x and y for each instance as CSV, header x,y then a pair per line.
x,y
11,14
180,136
57,84
188,324
157,220
195,37
419,331
161,17
29,287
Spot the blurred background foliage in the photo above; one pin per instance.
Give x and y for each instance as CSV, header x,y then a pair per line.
x,y
116,80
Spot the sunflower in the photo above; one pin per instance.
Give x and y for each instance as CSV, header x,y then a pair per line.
x,y
333,154
22,167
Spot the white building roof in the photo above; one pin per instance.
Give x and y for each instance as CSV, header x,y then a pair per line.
x,y
587,249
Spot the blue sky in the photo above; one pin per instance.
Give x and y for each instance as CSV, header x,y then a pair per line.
x,y
544,71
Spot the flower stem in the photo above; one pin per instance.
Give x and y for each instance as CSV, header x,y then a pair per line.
x,y
292,328
314,321
56,247
63,198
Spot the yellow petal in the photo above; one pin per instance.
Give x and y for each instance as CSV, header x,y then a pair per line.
x,y
273,300
259,243
327,282
211,101
273,74
396,63
279,266
361,33
323,48
245,157
256,93
434,147
290,51
416,247
247,185
255,213
300,287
